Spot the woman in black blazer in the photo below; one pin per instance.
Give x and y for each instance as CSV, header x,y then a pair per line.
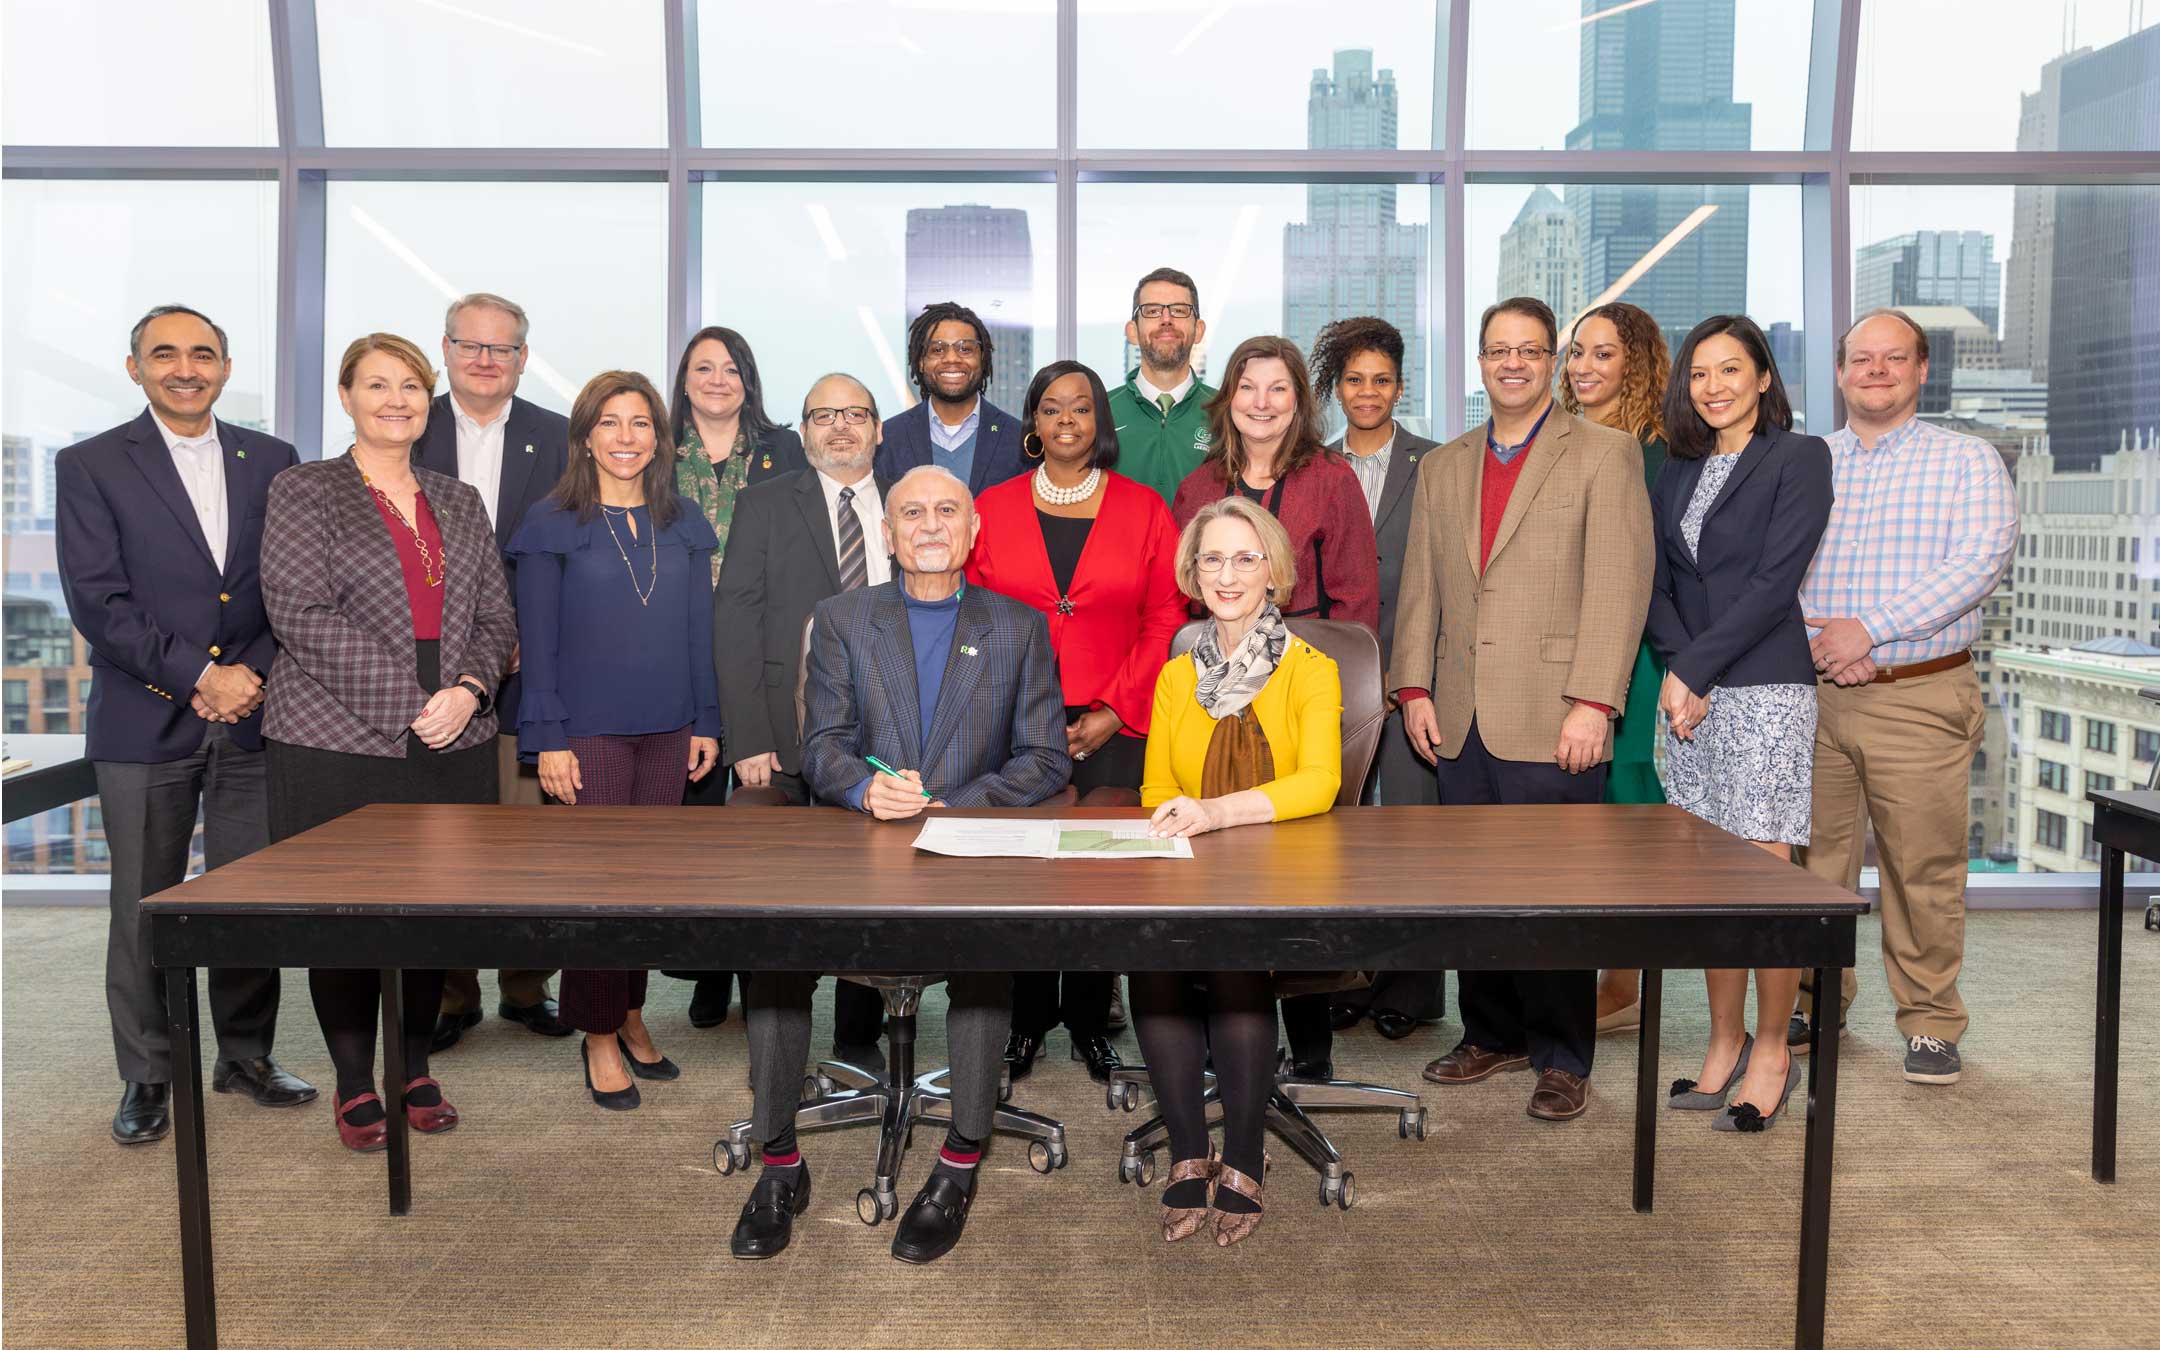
x,y
1739,510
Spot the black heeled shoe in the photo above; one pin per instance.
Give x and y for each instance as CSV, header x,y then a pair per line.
x,y
1392,1024
625,1100
663,1070
1343,1016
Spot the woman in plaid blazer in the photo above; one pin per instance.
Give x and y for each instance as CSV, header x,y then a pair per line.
x,y
394,628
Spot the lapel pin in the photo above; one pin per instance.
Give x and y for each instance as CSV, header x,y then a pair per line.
x,y
766,463
970,651
241,453
528,449
993,426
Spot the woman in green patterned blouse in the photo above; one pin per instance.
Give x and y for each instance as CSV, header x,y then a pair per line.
x,y
1616,373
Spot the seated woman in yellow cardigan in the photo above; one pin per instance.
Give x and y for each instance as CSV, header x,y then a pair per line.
x,y
1247,728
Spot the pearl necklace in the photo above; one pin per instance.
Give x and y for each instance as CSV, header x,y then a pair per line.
x,y
1071,496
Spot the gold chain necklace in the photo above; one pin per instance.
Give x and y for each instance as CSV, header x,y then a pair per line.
x,y
431,569
608,514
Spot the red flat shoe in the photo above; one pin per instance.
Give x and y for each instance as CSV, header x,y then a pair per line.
x,y
429,1119
371,1138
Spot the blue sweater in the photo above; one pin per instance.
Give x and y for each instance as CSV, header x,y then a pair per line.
x,y
931,624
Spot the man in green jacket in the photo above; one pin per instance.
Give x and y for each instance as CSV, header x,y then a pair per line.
x,y
1160,410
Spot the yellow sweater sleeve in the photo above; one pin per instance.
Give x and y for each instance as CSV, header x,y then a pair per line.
x,y
1174,704
1312,702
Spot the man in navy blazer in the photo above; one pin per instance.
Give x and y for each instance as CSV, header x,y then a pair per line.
x,y
921,691
954,427
159,531
513,453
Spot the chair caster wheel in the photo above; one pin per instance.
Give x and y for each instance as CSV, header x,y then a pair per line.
x,y
1144,1173
870,1208
825,1084
729,1158
2152,918
1410,1125
1039,1157
812,1086
1346,1194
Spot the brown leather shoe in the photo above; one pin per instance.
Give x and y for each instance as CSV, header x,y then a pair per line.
x,y
1468,1063
1559,1095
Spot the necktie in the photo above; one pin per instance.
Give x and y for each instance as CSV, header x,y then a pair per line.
x,y
1166,403
854,567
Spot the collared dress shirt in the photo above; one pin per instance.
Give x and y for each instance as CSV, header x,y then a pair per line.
x,y
1922,528
480,453
1371,470
201,464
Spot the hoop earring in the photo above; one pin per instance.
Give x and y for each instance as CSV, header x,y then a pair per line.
x,y
1032,453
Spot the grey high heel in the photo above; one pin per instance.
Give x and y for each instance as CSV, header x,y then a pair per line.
x,y
1747,1119
1685,1097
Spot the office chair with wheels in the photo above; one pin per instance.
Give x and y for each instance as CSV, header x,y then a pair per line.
x,y
1357,655
899,1099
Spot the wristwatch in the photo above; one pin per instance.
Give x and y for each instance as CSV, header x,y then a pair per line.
x,y
469,683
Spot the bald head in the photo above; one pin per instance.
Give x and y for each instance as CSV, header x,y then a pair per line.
x,y
841,449
930,522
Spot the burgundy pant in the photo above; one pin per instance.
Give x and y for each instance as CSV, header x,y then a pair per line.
x,y
621,771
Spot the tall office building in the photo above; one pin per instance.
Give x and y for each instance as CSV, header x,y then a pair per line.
x,y
1930,267
2029,276
1957,340
19,499
1660,77
1540,256
2104,310
1351,255
981,257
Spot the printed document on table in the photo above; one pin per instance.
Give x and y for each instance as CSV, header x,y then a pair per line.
x,y
960,837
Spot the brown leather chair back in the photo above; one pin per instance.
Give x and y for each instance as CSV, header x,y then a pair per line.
x,y
1356,653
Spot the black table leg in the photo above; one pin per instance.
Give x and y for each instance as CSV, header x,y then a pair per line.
x,y
191,1159
1646,1094
1815,1182
393,1093
2107,1016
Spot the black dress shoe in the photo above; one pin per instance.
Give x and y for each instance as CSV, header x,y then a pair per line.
x,y
1020,1052
535,1017
768,1219
450,1029
709,1000
1097,1054
1313,1070
261,1079
933,1224
869,1058
145,1114
1392,1024
1343,1016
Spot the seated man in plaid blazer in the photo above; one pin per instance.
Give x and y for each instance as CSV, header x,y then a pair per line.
x,y
923,691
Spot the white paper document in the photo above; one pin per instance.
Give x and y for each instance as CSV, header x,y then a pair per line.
x,y
961,837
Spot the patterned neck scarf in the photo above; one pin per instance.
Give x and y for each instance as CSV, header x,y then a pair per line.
x,y
712,487
1229,684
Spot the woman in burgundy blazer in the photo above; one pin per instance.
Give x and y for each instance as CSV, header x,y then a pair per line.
x,y
1264,423
1095,553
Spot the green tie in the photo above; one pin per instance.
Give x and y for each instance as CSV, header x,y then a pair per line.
x,y
1166,403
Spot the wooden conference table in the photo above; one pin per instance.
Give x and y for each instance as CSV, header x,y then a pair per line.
x,y
2123,822
1408,888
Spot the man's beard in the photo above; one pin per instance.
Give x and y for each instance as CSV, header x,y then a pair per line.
x,y
974,387
1180,356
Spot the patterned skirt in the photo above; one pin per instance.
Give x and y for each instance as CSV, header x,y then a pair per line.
x,y
1751,768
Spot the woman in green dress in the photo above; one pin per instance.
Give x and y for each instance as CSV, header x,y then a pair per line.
x,y
1616,372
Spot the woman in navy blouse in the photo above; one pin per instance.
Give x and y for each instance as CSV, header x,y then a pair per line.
x,y
614,584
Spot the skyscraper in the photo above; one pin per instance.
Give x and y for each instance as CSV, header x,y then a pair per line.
x,y
981,257
2104,306
1659,77
1351,255
2030,274
1540,256
1930,267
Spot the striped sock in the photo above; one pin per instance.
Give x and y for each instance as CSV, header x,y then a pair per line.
x,y
958,1156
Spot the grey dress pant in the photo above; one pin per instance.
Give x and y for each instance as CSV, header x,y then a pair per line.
x,y
777,1009
149,812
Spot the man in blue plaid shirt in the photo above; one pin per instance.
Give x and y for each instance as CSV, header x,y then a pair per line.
x,y
1924,527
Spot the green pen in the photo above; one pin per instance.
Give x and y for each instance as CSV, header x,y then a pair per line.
x,y
882,767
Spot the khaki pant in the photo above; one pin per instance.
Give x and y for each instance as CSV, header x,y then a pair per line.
x,y
1900,756
521,988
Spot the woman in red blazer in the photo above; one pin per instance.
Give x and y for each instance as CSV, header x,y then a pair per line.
x,y
1265,426
1095,552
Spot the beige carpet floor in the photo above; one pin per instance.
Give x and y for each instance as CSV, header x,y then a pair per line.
x,y
1963,1217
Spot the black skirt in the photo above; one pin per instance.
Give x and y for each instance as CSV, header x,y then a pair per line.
x,y
309,786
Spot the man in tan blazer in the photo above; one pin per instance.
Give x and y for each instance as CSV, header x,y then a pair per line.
x,y
1524,590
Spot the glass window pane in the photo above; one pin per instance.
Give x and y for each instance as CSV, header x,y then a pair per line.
x,y
83,261
2031,77
1710,249
826,276
1283,258
1639,74
1266,74
588,261
492,73
102,74
2044,340
877,74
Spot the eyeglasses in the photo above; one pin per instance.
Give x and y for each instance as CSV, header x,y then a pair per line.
x,y
964,347
501,351
1165,311
1244,564
1528,351
825,417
